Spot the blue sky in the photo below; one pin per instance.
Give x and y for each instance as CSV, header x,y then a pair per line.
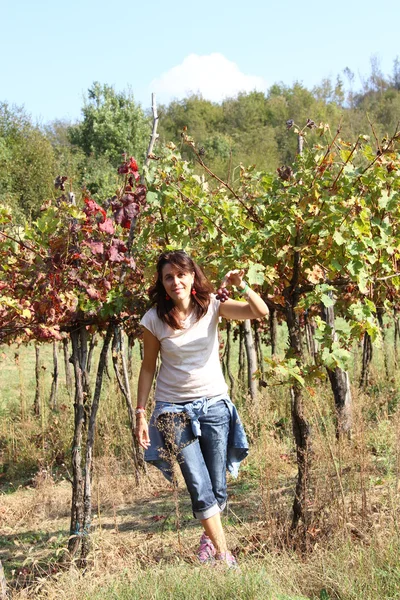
x,y
51,52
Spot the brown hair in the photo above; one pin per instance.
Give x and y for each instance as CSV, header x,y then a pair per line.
x,y
166,309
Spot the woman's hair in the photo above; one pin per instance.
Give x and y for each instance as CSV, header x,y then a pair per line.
x,y
166,309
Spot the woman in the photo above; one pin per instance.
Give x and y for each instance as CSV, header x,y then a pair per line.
x,y
194,419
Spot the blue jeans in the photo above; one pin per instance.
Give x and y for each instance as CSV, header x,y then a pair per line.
x,y
202,460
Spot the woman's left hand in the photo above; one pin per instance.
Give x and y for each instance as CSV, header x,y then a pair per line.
x,y
234,277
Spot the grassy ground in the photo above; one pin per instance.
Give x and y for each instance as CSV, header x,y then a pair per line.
x,y
144,538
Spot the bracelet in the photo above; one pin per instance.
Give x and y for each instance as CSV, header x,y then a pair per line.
x,y
245,290
140,410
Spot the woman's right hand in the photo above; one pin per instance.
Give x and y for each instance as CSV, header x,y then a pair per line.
x,y
142,431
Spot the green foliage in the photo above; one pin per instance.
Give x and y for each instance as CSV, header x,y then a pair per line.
x,y
27,163
112,124
248,129
285,371
201,116
95,174
329,222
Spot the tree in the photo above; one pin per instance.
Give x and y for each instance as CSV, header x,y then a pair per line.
x,y
96,174
27,163
112,123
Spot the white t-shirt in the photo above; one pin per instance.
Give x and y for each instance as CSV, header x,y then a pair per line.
x,y
190,365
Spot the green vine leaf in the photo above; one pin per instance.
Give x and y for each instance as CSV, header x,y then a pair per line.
x,y
255,274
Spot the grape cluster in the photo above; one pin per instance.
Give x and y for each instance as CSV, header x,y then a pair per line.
x,y
222,294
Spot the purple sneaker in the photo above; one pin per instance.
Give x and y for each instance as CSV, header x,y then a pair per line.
x,y
206,550
228,559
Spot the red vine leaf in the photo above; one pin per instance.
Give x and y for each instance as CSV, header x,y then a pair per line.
x,y
107,226
96,247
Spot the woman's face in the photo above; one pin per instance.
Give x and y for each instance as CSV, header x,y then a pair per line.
x,y
177,283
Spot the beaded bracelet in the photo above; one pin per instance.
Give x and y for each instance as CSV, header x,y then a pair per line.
x,y
140,410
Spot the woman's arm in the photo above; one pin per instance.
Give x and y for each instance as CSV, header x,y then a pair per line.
x,y
253,308
151,348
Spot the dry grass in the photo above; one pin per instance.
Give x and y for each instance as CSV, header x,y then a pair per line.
x,y
142,549
137,554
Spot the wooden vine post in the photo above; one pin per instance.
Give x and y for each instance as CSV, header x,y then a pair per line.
x,y
273,330
38,378
87,487
54,381
339,380
252,362
78,359
67,365
300,424
3,584
122,376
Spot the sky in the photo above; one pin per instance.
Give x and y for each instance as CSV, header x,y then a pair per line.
x,y
51,52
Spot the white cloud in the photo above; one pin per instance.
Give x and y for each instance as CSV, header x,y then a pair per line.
x,y
213,76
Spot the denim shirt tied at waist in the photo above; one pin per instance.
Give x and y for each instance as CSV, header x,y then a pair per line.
x,y
238,447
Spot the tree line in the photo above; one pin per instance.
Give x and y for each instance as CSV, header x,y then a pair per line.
x,y
247,129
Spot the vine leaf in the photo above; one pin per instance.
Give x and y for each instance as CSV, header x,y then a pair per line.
x,y
255,274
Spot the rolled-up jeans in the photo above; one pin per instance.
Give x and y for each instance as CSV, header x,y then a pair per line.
x,y
202,460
